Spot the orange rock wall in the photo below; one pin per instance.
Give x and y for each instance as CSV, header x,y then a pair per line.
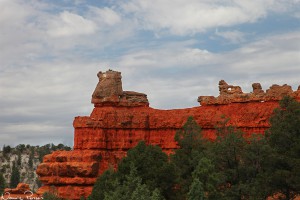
x,y
104,137
121,119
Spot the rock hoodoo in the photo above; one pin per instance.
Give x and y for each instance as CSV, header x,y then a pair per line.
x,y
120,119
233,94
109,92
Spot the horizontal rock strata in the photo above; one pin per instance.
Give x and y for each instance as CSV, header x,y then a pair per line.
x,y
121,119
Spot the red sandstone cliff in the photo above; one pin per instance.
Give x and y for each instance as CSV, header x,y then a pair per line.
x,y
121,119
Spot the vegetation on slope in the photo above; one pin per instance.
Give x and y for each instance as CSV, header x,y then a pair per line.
x,y
18,164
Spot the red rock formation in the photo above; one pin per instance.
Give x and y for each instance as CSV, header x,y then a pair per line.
x,y
22,191
233,94
121,119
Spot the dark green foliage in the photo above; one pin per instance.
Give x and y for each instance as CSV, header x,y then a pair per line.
x,y
15,176
19,159
256,160
284,138
196,191
206,180
38,182
146,169
131,189
2,183
20,148
6,149
241,163
30,161
152,166
227,153
192,148
104,183
51,196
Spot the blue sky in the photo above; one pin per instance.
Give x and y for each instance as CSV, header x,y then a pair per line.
x,y
172,50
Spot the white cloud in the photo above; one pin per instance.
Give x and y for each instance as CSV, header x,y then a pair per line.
x,y
70,24
104,15
275,54
182,17
234,37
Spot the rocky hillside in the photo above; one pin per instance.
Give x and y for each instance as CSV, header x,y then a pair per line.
x,y
25,158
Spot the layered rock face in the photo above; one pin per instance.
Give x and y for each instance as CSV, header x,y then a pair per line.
x,y
120,119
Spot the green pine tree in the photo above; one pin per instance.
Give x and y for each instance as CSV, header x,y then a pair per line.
x,y
284,138
206,176
30,161
104,183
192,148
15,176
152,165
196,191
2,183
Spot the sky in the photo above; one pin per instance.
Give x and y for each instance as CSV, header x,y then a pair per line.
x,y
172,50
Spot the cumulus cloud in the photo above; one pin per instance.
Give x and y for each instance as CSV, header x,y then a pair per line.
x,y
181,17
70,24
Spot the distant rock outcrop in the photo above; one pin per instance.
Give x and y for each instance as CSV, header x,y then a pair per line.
x,y
22,191
121,119
233,94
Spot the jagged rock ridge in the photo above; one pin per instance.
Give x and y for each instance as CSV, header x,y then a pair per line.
x,y
233,94
121,119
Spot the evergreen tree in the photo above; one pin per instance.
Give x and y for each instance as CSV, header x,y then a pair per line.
x,y
196,191
15,176
192,148
239,164
152,165
19,159
206,180
104,183
30,161
284,138
131,188
256,161
145,169
6,150
2,184
226,152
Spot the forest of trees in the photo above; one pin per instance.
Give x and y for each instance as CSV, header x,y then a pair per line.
x,y
232,167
